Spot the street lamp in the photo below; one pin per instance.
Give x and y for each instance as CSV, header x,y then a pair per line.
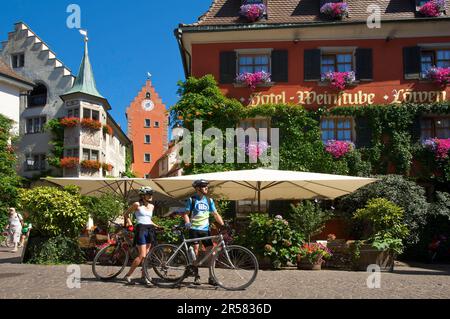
x,y
177,132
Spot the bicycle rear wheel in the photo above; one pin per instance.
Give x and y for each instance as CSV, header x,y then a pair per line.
x,y
157,259
109,262
235,268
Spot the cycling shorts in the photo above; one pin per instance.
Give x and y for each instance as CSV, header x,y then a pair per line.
x,y
145,235
193,234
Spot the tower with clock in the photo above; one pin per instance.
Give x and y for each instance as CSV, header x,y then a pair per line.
x,y
148,130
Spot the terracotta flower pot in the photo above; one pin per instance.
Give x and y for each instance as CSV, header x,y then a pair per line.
x,y
304,264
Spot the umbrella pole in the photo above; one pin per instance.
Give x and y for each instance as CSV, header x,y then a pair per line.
x,y
259,197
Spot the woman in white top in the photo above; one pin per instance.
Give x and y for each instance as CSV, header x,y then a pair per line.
x,y
145,228
15,222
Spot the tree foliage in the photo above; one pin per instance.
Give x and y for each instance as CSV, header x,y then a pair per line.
x,y
308,218
9,180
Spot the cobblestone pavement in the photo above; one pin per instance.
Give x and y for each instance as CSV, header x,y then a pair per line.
x,y
36,282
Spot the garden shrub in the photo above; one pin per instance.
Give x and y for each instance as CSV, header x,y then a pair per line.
x,y
386,226
271,237
55,250
54,211
397,189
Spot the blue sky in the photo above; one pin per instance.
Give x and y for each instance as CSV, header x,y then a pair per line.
x,y
127,40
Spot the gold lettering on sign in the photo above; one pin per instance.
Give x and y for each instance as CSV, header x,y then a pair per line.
x,y
343,98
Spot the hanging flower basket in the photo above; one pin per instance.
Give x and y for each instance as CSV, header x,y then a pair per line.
x,y
440,76
339,149
433,8
92,165
91,124
253,79
69,121
107,130
107,167
339,80
440,147
253,12
70,162
335,10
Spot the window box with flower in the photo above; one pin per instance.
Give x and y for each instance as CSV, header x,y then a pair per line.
x,y
91,124
335,10
440,76
433,8
69,121
252,80
107,167
253,10
70,162
107,129
440,147
339,80
339,149
91,165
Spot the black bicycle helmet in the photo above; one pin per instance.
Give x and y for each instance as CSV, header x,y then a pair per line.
x,y
200,183
146,190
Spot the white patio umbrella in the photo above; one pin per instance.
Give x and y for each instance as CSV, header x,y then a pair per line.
x,y
266,184
125,188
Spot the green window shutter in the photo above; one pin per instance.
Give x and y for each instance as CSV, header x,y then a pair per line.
x,y
411,62
312,65
364,64
227,67
280,67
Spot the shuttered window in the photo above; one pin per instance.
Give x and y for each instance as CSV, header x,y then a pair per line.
x,y
312,65
227,67
435,127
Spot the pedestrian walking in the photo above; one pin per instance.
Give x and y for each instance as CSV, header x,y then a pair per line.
x,y
15,223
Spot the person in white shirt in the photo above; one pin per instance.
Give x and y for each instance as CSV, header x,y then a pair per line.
x,y
145,229
15,223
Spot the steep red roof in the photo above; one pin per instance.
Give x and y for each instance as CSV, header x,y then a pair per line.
x,y
226,12
10,73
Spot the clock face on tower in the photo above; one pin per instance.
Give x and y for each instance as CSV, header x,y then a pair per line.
x,y
148,105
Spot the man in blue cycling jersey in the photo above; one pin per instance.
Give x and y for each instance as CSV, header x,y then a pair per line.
x,y
196,218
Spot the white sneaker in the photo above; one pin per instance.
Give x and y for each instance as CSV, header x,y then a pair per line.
x,y
127,279
146,281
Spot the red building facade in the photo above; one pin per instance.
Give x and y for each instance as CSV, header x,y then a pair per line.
x,y
147,128
297,45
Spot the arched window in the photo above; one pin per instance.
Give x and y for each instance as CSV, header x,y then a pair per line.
x,y
148,96
38,97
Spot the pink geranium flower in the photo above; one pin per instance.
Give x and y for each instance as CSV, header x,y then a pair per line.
x,y
253,79
338,149
339,80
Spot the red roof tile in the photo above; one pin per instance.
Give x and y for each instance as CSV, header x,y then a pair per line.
x,y
7,71
226,12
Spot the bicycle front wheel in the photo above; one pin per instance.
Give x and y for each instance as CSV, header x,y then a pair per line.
x,y
158,260
109,262
234,268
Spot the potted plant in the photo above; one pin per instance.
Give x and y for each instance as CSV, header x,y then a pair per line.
x,y
335,10
312,256
339,80
309,219
252,11
386,231
440,76
253,79
433,8
107,167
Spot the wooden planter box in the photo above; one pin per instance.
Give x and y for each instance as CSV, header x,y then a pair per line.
x,y
372,256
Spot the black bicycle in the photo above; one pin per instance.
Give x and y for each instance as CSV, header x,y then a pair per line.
x,y
232,267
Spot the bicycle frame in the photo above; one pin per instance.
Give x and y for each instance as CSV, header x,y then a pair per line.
x,y
213,251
